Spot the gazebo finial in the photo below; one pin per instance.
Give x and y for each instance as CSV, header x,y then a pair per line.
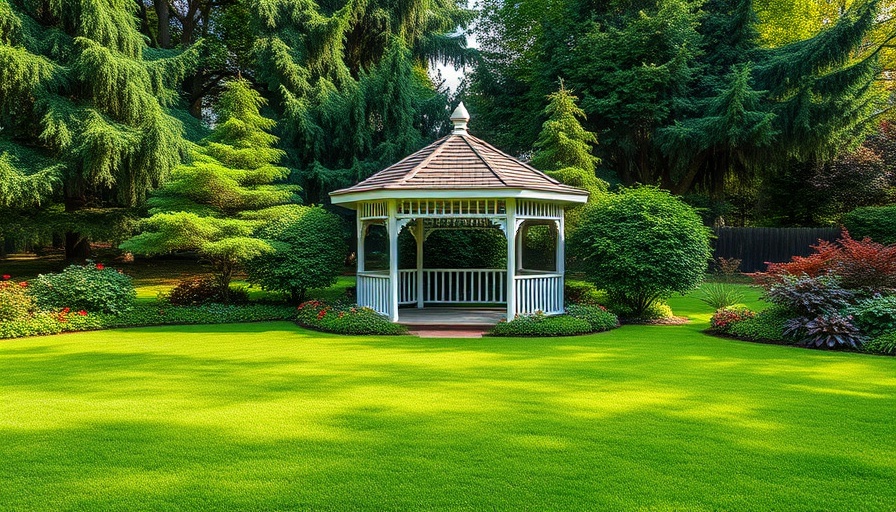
x,y
460,117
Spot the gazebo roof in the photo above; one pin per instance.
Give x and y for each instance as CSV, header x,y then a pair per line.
x,y
462,163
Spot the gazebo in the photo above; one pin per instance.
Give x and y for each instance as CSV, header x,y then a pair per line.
x,y
460,182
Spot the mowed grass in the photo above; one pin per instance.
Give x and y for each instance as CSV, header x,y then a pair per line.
x,y
272,417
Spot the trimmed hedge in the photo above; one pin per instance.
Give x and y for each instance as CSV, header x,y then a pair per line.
x,y
578,320
142,315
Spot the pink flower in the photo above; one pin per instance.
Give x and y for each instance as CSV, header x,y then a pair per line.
x,y
100,266
82,313
6,277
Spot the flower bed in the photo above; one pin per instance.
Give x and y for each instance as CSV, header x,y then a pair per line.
x,y
345,319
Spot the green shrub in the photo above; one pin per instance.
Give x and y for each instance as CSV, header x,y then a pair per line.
x,y
142,315
197,291
597,316
767,325
15,302
883,344
345,319
542,326
656,310
94,288
641,246
720,295
876,315
309,252
583,292
875,222
725,318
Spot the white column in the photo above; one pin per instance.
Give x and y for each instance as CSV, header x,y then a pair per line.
x,y
419,232
511,259
561,244
519,248
362,235
393,260
561,257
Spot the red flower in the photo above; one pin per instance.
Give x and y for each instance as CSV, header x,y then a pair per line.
x,y
24,284
6,277
322,314
66,310
82,313
100,266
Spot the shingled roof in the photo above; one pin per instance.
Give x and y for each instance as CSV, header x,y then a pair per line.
x,y
460,162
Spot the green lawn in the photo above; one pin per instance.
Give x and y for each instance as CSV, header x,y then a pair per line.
x,y
272,417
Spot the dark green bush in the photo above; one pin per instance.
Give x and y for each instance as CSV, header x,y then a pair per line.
x,y
641,246
876,315
345,319
91,287
543,326
883,344
197,291
875,222
39,324
597,316
656,310
767,325
15,303
309,252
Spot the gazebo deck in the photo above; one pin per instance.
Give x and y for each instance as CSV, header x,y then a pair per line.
x,y
450,318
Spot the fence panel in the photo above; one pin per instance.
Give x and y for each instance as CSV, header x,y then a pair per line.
x,y
757,246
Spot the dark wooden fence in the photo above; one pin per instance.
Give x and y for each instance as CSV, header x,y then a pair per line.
x,y
756,246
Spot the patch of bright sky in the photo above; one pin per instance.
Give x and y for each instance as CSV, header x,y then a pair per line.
x,y
449,73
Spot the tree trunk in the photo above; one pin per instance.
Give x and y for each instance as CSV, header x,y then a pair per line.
x,y
77,245
164,25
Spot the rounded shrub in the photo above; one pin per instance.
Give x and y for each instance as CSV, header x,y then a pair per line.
x,y
91,287
197,291
597,316
875,222
767,325
345,319
309,252
641,245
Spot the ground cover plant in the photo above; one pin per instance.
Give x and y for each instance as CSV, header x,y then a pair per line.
x,y
343,317
269,416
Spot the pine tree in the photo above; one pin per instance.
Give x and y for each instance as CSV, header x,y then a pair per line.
x,y
563,141
215,204
77,92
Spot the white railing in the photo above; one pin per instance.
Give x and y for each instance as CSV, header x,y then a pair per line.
x,y
451,207
539,292
473,286
373,291
407,286
373,210
534,292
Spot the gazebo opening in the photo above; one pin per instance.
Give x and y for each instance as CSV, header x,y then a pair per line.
x,y
460,186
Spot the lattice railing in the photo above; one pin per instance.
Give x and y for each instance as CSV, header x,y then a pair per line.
x,y
538,209
539,293
451,207
373,210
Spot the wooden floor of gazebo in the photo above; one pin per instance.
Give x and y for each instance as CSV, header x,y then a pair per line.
x,y
448,318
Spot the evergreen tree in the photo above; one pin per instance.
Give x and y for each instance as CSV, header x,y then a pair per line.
x,y
78,94
214,204
563,141
683,93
